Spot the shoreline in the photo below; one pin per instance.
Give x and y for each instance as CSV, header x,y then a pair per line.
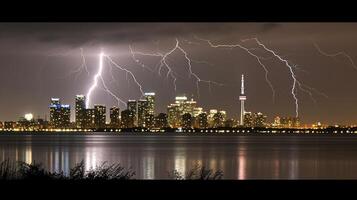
x,y
254,132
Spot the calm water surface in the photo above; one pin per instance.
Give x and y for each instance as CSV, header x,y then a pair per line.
x,y
153,157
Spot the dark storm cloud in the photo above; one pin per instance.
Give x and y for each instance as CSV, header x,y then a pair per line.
x,y
270,26
77,34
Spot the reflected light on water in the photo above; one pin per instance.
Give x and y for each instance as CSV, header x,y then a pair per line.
x,y
28,155
242,165
90,159
149,167
180,164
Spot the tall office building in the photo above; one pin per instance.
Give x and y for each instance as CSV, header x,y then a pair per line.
x,y
132,105
150,98
289,122
260,120
218,120
186,120
212,112
89,121
174,115
114,117
127,119
60,114
161,121
202,120
248,119
142,112
54,114
99,116
254,119
80,104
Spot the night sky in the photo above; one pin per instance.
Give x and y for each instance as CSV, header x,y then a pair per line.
x,y
41,60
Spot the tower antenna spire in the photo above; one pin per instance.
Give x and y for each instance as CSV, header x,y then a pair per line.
x,y
242,98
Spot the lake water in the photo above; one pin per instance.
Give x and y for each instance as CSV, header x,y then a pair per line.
x,y
153,157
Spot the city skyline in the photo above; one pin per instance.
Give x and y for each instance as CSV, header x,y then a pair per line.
x,y
51,64
140,113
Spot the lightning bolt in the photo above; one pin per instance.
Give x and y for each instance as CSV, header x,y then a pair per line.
x,y
249,51
98,77
303,87
95,79
127,72
334,55
163,63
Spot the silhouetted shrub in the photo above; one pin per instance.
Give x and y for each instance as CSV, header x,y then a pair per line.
x,y
7,170
197,173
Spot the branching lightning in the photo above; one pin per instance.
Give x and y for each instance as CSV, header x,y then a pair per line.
x,y
98,76
302,87
163,63
127,72
249,51
334,55
95,79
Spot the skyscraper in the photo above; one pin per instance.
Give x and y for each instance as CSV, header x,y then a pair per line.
x,y
161,121
80,104
99,116
89,118
186,120
242,98
114,117
54,113
142,112
132,105
174,115
127,119
150,98
202,120
59,114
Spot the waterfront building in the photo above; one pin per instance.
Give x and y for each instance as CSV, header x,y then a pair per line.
x,y
80,112
132,105
161,121
114,117
186,121
59,114
150,98
99,116
202,120
127,119
90,118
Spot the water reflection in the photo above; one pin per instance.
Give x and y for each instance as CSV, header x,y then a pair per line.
x,y
152,157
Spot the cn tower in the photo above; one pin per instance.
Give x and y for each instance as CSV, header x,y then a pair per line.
x,y
242,98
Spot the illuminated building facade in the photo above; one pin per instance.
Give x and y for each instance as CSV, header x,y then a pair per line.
x,y
255,119
202,120
186,120
59,114
289,122
174,115
248,119
142,112
9,125
132,105
127,119
114,117
150,98
90,118
218,120
80,111
99,116
161,121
